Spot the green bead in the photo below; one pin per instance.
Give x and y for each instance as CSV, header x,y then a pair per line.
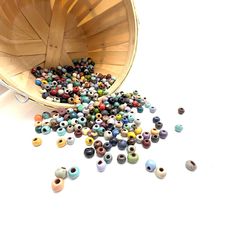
x,y
68,81
80,107
126,126
116,104
133,158
38,129
76,84
178,128
70,121
49,79
100,92
105,92
96,110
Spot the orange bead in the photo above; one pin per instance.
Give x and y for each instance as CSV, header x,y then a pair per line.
x,y
57,185
38,117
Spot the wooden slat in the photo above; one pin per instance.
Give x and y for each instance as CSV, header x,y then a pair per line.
x,y
114,70
110,37
123,47
74,45
109,18
78,55
44,9
97,10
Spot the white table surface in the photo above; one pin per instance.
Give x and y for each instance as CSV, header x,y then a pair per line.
x,y
186,57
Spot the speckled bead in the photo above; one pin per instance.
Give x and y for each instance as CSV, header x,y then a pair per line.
x,y
163,134
37,142
139,139
122,144
133,158
70,140
131,149
46,115
121,158
89,141
137,122
181,110
190,165
61,131
78,127
146,135
124,133
85,130
46,129
61,142
97,144
131,141
61,173
155,138
159,125
108,135
108,158
78,133
131,135
89,152
100,151
74,172
57,185
138,130
154,131
178,128
146,143
160,172
101,165
82,121
152,109
150,165
64,124
156,119
70,129
113,141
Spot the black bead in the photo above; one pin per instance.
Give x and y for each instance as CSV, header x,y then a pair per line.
x,y
158,125
89,152
131,141
107,146
156,119
113,141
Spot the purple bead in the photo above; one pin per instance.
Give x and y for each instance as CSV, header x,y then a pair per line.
x,y
163,134
146,135
101,165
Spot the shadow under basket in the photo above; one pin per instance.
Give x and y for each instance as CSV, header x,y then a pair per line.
x,y
51,33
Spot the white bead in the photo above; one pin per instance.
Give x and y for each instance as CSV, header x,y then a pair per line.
x,y
160,172
108,135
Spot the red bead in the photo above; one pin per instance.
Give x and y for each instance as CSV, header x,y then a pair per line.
x,y
65,95
53,92
102,107
135,104
78,133
146,143
76,89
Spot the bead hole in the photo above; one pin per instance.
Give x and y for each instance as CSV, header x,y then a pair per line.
x,y
192,163
60,141
161,169
100,162
73,170
108,156
35,139
57,181
148,168
133,154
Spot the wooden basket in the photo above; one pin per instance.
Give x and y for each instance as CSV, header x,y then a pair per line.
x,y
49,33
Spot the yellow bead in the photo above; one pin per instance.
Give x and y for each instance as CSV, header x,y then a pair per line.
x,y
89,141
44,81
37,142
131,135
98,116
118,117
138,130
37,123
155,131
61,142
85,130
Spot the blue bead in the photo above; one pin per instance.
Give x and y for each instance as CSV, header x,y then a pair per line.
x,y
59,119
107,146
115,132
125,120
140,109
46,115
178,128
61,131
74,172
156,119
150,165
122,144
73,115
46,129
113,141
38,82
96,127
101,131
152,109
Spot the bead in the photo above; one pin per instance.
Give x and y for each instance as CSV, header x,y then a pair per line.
x,y
146,143
146,135
140,109
152,109
46,129
61,131
124,132
118,124
38,117
113,141
131,149
37,142
89,141
61,111
37,123
132,158
61,173
78,133
107,158
61,142
100,151
121,158
78,127
139,139
154,131
38,129
131,135
156,119
160,173
74,172
181,110
96,128
70,140
190,165
70,129
155,138
137,122
74,121
85,130
63,124
150,165
122,144
178,128
158,125
131,141
46,115
101,165
107,146
89,152
108,135
57,185
97,144
115,132
163,134
138,130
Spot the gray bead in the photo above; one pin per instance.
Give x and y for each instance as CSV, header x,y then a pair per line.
x,y
190,165
108,158
121,158
61,173
70,140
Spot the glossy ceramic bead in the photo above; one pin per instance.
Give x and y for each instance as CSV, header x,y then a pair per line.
x,y
150,165
113,141
64,124
191,165
107,146
89,141
124,132
70,140
159,125
38,117
131,135
121,158
181,110
154,131
70,129
57,185
37,142
138,130
122,144
155,138
146,143
61,173
78,133
156,119
108,158
108,135
163,134
131,141
74,172
61,142
152,109
131,149
178,128
139,139
46,129
89,152
133,158
46,115
97,144
101,151
61,131
146,135
160,172
101,165
96,128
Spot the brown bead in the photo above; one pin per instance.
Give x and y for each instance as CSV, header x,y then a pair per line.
x,y
78,133
97,144
131,141
146,143
181,110
101,151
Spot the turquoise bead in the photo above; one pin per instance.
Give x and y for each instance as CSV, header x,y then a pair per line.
x,y
178,128
131,118
147,104
96,127
61,131
82,120
46,129
38,129
80,107
73,115
150,165
101,131
69,110
140,109
74,172
46,115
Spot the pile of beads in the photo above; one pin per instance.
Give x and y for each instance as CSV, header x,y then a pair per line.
x,y
72,84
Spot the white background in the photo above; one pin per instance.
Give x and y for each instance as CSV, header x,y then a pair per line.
x,y
186,57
